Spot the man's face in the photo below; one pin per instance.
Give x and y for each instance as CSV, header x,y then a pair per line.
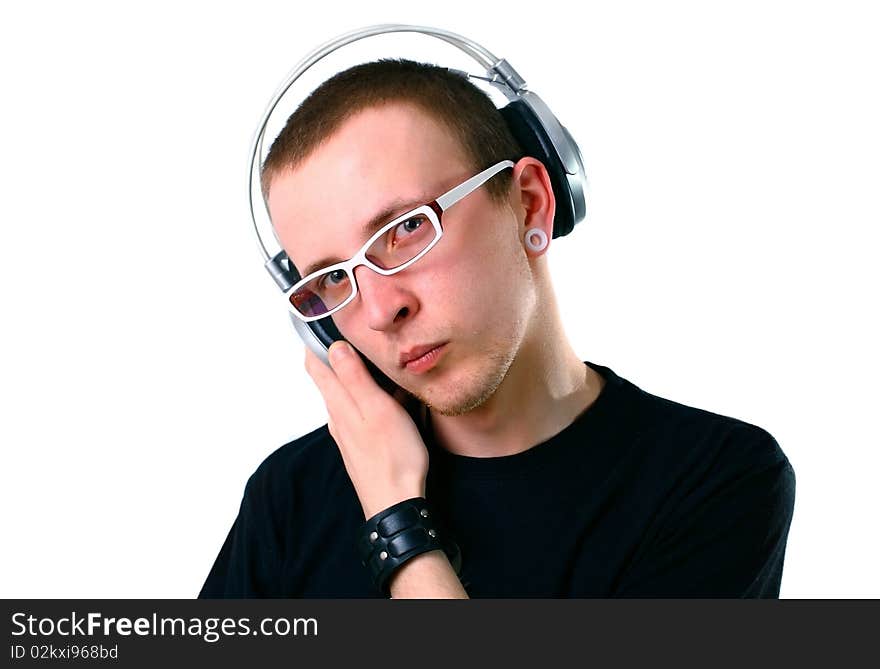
x,y
473,291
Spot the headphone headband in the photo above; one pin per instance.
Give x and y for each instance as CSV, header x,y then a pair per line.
x,y
535,119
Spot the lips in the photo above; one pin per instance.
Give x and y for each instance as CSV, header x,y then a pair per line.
x,y
417,352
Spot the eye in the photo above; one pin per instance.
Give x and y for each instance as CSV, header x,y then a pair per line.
x,y
408,227
334,278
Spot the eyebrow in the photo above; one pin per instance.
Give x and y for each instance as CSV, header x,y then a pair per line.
x,y
388,213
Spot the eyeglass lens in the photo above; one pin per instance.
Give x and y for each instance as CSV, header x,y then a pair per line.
x,y
397,246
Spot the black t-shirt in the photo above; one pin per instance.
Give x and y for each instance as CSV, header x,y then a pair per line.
x,y
638,497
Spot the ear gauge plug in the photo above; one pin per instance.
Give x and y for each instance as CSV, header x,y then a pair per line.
x,y
536,239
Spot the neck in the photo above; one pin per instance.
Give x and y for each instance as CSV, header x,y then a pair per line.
x,y
546,388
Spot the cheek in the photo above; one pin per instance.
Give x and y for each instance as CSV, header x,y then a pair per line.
x,y
493,257
344,325
486,284
486,249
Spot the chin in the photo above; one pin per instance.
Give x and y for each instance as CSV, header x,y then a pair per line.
x,y
461,395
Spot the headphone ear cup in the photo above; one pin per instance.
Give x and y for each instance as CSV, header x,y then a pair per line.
x,y
533,139
325,330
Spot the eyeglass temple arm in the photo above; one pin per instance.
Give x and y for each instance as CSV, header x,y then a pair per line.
x,y
449,198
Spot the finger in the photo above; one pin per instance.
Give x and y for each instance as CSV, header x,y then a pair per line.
x,y
338,400
355,377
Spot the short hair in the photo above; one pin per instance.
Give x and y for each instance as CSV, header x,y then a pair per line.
x,y
448,97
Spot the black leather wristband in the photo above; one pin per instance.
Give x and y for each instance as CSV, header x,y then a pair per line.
x,y
399,533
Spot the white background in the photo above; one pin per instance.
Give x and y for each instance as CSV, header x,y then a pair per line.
x,y
147,366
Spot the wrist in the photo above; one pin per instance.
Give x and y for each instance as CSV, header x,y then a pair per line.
x,y
388,498
399,533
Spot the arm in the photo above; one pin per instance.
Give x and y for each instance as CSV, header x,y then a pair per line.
x,y
385,458
427,576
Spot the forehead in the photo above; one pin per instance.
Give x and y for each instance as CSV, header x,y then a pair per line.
x,y
383,154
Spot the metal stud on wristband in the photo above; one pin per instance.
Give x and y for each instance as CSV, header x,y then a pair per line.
x,y
399,533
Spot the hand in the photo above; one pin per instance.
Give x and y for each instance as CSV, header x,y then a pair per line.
x,y
381,447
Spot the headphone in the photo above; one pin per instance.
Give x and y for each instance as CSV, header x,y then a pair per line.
x,y
536,129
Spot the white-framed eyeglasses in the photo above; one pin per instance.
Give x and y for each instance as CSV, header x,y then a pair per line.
x,y
393,248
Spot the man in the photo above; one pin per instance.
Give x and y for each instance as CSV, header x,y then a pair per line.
x,y
555,477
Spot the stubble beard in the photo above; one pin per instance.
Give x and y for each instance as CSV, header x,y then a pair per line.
x,y
474,390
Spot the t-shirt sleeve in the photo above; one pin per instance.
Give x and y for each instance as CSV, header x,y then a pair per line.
x,y
248,562
726,535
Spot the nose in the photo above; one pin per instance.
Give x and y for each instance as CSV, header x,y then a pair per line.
x,y
383,298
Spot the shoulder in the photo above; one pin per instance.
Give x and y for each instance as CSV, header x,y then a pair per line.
x,y
681,436
700,452
306,462
719,498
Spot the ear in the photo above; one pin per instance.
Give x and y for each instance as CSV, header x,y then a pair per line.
x,y
535,201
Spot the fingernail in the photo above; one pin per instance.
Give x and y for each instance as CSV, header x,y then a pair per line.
x,y
339,350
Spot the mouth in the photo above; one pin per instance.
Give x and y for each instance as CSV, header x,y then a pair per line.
x,y
422,358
